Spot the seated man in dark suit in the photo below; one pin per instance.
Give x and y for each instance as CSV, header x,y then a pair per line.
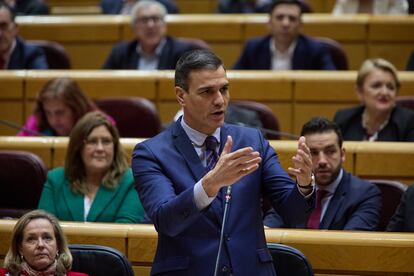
x,y
15,53
125,6
285,48
343,201
152,49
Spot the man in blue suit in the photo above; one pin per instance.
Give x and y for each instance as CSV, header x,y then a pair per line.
x,y
152,49
185,195
346,202
285,48
15,53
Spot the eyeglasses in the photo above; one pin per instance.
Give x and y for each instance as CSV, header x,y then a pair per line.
x,y
5,26
94,142
146,19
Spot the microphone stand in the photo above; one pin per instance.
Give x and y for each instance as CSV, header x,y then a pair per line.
x,y
226,205
18,127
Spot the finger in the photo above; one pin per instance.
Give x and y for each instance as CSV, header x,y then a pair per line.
x,y
227,146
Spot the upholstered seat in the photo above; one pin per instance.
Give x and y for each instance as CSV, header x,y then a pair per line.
x,y
336,51
406,101
392,192
97,260
269,121
134,116
289,261
56,55
22,176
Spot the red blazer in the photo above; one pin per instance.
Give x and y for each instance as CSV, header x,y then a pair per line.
x,y
3,272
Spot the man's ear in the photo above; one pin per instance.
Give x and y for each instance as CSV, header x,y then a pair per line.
x,y
179,94
343,155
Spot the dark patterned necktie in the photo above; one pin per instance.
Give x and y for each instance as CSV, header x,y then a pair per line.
x,y
211,152
315,216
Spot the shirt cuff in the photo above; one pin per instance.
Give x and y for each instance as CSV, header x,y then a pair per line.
x,y
306,196
201,199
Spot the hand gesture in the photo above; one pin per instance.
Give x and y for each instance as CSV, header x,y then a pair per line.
x,y
302,164
230,167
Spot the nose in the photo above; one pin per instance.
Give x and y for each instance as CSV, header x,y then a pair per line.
x,y
219,98
321,159
40,242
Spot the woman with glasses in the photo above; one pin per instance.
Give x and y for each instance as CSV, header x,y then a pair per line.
x,y
96,183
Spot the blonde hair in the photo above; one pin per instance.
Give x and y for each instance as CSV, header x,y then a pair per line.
x,y
13,261
370,65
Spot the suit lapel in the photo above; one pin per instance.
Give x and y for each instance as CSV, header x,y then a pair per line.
x,y
334,204
74,203
184,146
165,56
102,198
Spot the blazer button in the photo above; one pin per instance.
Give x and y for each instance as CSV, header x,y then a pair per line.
x,y
225,269
185,214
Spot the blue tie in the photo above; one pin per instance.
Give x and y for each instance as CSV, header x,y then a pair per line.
x,y
211,153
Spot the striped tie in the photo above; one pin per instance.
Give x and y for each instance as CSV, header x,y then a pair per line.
x,y
211,153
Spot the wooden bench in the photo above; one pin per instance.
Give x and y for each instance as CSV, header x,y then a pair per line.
x,y
88,39
330,252
294,97
387,160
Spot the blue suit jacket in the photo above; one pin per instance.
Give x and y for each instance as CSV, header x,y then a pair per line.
x,y
124,55
26,56
308,55
355,205
166,168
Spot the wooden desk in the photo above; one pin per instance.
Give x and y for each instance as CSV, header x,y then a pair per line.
x,y
88,39
330,252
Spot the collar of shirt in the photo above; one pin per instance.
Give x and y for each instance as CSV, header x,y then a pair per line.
x,y
196,137
157,51
150,62
8,54
282,61
331,188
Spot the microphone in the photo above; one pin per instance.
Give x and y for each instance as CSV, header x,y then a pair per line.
x,y
226,206
19,127
269,131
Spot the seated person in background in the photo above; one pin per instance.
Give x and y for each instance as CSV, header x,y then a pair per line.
x,y
403,218
59,105
244,6
152,49
285,48
378,118
410,63
343,201
370,6
28,7
38,247
96,183
125,6
15,53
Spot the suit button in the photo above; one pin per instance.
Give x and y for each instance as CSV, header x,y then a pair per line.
x,y
185,214
227,238
225,269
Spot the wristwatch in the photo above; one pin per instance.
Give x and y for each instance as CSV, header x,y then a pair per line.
x,y
311,185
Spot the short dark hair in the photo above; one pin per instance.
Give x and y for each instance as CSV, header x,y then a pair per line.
x,y
194,60
276,3
4,5
321,125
